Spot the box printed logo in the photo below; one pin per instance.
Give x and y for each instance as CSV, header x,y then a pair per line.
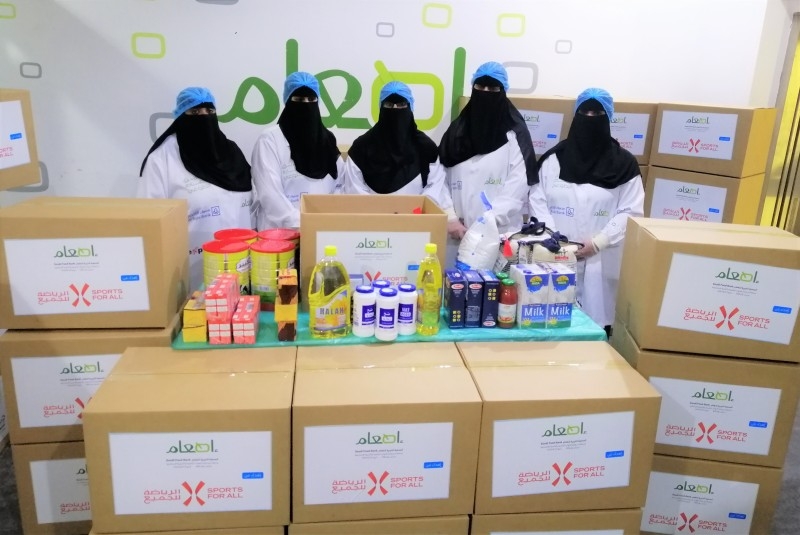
x,y
686,522
193,493
693,143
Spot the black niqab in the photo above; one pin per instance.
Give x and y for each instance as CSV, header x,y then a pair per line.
x,y
313,147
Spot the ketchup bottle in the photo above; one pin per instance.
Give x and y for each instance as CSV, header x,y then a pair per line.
x,y
507,304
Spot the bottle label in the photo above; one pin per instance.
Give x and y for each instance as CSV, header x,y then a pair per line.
x,y
405,314
386,320
367,315
506,313
334,314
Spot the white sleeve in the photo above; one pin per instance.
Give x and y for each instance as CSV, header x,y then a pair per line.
x,y
515,189
537,198
275,209
154,182
629,204
339,182
354,183
438,190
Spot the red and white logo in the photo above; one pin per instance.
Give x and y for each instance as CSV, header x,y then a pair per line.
x,y
80,295
687,522
193,493
693,144
705,433
372,278
685,214
82,405
377,483
727,317
562,473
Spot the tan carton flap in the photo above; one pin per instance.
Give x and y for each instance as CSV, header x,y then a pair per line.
x,y
446,525
696,232
164,360
584,355
95,208
433,355
400,205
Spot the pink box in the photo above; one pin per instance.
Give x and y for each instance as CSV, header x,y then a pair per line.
x,y
245,320
219,332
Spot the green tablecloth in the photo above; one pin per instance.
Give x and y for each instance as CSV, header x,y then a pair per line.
x,y
582,328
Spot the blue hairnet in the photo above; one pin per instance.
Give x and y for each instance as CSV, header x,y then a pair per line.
x,y
299,79
399,89
191,97
495,70
600,95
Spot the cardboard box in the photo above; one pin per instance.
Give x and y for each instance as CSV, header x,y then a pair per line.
x,y
92,263
50,376
716,140
711,288
551,447
166,361
19,159
446,525
474,300
211,449
376,235
688,196
53,488
3,419
617,521
731,410
455,298
693,495
645,171
224,531
633,126
383,431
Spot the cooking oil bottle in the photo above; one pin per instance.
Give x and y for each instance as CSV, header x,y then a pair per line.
x,y
429,292
329,297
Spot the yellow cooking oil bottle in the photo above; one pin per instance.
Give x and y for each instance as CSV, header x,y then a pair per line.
x,y
429,292
329,297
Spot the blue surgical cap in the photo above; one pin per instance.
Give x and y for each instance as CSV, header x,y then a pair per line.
x,y
299,79
495,70
191,97
399,89
600,95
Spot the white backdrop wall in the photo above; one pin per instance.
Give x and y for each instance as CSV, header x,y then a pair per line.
x,y
103,74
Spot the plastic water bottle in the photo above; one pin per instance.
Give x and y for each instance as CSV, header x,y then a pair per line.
x,y
407,311
429,292
364,311
329,297
387,304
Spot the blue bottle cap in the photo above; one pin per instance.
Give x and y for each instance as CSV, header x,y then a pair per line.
x,y
363,289
388,292
407,288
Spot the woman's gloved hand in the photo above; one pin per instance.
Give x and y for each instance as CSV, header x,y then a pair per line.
x,y
456,229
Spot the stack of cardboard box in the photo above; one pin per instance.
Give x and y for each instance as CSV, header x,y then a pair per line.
x,y
81,280
566,439
707,312
708,163
189,441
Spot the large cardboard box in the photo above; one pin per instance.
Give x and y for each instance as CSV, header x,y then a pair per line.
x,y
633,126
19,160
716,140
698,496
92,263
688,196
166,361
50,376
711,288
377,236
225,531
610,521
732,410
3,419
211,449
383,431
446,525
53,488
581,438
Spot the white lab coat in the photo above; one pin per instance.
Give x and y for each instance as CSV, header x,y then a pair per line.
x,y
277,183
435,189
583,211
211,208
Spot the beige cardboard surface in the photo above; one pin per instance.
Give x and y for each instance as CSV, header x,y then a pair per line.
x,y
645,171
200,403
696,472
423,354
27,173
383,398
368,214
754,131
578,380
783,377
160,223
621,109
452,525
151,360
651,245
224,531
51,347
742,196
627,521
65,503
